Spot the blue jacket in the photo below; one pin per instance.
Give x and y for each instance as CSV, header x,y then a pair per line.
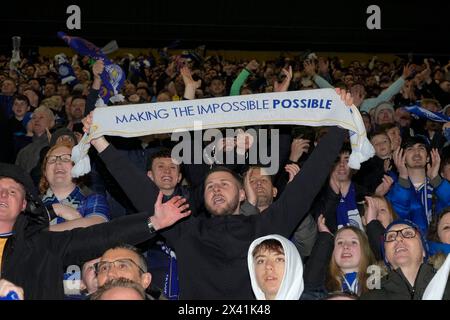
x,y
410,204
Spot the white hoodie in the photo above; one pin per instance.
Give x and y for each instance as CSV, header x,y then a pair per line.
x,y
291,287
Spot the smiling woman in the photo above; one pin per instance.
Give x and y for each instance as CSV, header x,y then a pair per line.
x,y
72,206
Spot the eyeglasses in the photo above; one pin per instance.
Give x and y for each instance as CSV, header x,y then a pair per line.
x,y
407,233
103,267
63,158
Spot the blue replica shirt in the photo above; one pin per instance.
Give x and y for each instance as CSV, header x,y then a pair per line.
x,y
87,205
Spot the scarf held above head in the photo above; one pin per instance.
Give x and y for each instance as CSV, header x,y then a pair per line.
x,y
319,107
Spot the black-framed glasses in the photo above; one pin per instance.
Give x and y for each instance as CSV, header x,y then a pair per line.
x,y
63,158
406,233
103,267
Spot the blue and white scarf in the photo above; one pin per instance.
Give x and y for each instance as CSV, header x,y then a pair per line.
x,y
347,213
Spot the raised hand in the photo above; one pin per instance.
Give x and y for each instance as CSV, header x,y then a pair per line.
x,y
399,160
252,66
167,213
98,68
433,168
426,73
358,93
292,169
298,147
284,86
371,212
384,186
407,71
346,97
321,226
249,192
99,143
244,141
190,85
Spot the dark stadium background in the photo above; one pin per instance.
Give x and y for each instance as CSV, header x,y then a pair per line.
x,y
407,26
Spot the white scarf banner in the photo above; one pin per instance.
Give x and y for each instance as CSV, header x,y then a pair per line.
x,y
436,287
318,107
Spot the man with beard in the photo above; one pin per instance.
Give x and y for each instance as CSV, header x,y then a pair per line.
x,y
212,251
418,180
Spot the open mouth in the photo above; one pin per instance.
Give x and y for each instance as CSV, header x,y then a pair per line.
x,y
3,205
400,249
166,179
218,200
346,255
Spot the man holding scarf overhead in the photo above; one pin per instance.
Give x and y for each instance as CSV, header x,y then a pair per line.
x,y
211,250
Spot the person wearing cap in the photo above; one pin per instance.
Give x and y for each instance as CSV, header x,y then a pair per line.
x,y
384,113
418,180
34,258
276,269
406,255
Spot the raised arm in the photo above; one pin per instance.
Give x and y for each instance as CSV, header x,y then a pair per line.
x,y
283,216
387,94
310,69
141,190
82,244
190,86
92,97
252,66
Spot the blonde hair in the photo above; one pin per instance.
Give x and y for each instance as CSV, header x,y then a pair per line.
x,y
44,109
335,274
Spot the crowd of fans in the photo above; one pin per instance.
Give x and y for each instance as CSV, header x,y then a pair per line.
x,y
311,231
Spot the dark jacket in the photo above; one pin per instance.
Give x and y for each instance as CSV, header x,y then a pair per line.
x,y
316,269
36,262
212,252
371,173
375,231
395,286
